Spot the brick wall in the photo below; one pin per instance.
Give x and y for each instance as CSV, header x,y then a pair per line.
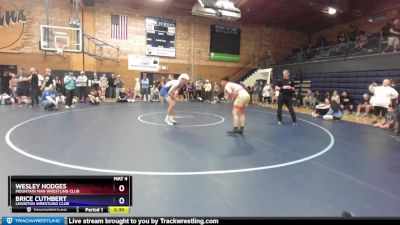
x,y
192,41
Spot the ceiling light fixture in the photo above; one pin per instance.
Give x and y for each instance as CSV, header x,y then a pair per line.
x,y
330,10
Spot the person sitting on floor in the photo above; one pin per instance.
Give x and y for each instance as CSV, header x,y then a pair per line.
x,y
346,102
389,120
94,98
334,113
322,109
129,95
122,96
50,99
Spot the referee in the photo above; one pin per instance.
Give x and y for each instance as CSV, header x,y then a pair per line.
x,y
286,89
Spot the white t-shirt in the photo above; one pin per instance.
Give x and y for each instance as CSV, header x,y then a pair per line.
x,y
40,80
383,96
266,91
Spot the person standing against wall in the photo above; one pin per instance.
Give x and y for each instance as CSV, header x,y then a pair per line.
x,y
111,86
103,86
81,84
119,84
145,84
69,83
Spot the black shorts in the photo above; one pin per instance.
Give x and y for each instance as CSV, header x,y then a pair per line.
x,y
22,91
378,110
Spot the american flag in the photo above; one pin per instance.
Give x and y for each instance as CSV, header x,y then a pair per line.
x,y
119,27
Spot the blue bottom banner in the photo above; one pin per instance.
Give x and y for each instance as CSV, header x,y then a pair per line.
x,y
13,220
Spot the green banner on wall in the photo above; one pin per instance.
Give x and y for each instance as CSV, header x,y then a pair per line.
x,y
224,57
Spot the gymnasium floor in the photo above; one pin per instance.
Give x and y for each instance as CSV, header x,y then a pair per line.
x,y
319,168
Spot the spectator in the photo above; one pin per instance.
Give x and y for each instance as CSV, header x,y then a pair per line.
x,y
93,96
145,84
322,109
181,93
341,38
382,98
207,91
129,95
5,83
297,99
365,104
155,93
318,97
309,100
255,92
48,80
198,86
59,85
136,89
334,113
389,120
122,96
352,32
22,87
394,33
119,84
335,96
81,84
50,99
190,87
327,95
5,99
103,86
95,83
216,91
362,40
69,84
34,90
267,93
111,86
346,102
322,41
275,95
13,86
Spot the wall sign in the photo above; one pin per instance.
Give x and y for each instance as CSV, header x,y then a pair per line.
x,y
14,26
143,63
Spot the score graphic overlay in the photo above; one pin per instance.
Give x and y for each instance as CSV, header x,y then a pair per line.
x,y
160,36
75,194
